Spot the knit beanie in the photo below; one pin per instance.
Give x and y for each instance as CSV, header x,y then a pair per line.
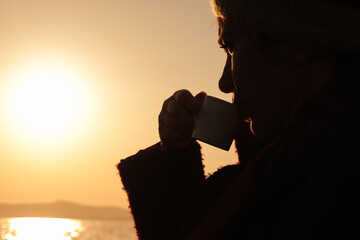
x,y
325,24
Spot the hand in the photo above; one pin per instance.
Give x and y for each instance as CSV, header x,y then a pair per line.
x,y
176,119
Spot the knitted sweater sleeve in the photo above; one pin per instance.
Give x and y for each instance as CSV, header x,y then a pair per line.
x,y
160,187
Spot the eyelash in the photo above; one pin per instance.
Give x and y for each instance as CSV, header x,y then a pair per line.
x,y
227,46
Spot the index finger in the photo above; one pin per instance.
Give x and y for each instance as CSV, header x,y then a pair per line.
x,y
186,99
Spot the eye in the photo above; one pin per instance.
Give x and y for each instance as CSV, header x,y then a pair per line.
x,y
227,45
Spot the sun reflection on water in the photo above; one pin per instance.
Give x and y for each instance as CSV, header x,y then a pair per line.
x,y
42,229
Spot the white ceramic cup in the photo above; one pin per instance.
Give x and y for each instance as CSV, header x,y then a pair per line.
x,y
216,123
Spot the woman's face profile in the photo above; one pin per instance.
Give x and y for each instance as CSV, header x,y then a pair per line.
x,y
266,85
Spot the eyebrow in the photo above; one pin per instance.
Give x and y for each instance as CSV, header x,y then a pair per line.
x,y
221,36
220,31
224,33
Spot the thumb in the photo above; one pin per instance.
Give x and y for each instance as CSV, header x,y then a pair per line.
x,y
201,96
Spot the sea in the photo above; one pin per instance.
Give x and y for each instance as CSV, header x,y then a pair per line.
x,y
65,229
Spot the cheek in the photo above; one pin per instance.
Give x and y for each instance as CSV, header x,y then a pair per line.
x,y
275,100
268,92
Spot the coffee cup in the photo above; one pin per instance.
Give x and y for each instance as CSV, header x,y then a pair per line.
x,y
217,123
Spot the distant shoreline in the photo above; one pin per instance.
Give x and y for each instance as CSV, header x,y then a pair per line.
x,y
62,209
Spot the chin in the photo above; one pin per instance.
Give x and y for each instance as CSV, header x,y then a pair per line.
x,y
245,140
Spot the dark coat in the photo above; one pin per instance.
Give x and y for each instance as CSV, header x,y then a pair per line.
x,y
302,185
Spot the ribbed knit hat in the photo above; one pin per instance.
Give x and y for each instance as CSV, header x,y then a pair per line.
x,y
329,24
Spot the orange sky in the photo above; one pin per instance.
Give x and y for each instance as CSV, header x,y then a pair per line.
x,y
82,83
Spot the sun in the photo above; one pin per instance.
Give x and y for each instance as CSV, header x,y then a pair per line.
x,y
45,99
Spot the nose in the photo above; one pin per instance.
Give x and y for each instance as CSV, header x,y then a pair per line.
x,y
226,84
